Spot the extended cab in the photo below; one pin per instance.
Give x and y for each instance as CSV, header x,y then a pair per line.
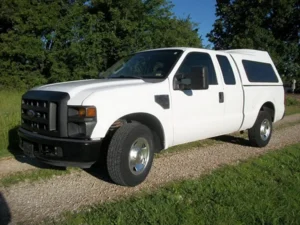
x,y
148,102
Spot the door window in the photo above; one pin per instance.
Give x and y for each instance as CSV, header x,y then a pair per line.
x,y
195,60
227,71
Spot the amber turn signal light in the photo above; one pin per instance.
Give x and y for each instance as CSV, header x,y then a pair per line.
x,y
91,112
87,112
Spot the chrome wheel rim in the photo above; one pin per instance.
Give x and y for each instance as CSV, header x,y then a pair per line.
x,y
139,155
265,129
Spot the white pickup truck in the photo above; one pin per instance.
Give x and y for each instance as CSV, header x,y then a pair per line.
x,y
148,102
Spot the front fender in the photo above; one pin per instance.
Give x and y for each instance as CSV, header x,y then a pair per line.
x,y
115,107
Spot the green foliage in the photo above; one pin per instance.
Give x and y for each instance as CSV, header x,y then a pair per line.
x,y
292,101
50,41
261,191
261,24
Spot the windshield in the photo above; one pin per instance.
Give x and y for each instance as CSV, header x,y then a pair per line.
x,y
151,64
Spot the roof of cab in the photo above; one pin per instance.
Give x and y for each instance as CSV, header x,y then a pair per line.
x,y
249,52
170,48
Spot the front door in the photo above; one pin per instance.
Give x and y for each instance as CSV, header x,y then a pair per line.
x,y
197,114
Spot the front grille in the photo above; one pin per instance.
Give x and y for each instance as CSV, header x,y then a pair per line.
x,y
39,115
45,112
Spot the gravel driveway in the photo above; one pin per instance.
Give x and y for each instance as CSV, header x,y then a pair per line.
x,y
48,198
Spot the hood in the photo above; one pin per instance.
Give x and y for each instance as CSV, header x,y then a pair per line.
x,y
87,87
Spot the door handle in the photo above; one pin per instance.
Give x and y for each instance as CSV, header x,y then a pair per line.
x,y
221,97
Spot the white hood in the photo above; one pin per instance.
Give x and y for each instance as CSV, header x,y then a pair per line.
x,y
81,89
88,86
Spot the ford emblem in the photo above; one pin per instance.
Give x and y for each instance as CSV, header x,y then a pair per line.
x,y
31,113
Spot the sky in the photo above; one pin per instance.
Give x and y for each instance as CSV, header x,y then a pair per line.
x,y
201,12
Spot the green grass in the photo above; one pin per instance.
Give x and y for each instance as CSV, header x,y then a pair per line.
x,y
33,175
263,190
10,105
292,100
287,124
292,105
293,109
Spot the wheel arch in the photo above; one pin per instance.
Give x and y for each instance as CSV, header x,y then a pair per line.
x,y
270,108
149,120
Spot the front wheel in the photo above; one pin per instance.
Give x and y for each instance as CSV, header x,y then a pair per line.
x,y
130,154
260,134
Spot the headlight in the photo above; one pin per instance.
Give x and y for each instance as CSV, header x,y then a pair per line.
x,y
81,121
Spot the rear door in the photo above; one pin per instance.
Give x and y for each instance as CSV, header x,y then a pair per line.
x,y
233,93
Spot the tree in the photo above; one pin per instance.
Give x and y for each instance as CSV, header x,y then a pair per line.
x,y
50,41
270,25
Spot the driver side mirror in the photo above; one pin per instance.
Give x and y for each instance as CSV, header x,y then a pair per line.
x,y
184,83
197,79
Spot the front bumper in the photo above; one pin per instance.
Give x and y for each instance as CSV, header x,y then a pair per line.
x,y
60,151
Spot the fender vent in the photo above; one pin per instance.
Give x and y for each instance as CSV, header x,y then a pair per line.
x,y
163,101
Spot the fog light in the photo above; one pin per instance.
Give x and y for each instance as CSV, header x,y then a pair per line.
x,y
58,151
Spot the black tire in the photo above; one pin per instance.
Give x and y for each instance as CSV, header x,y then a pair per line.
x,y
118,154
254,133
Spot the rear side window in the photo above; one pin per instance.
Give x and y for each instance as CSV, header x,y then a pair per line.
x,y
227,71
260,72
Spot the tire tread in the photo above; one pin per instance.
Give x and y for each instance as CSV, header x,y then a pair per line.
x,y
253,133
115,149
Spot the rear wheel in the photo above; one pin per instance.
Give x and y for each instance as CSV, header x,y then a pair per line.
x,y
130,154
260,134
